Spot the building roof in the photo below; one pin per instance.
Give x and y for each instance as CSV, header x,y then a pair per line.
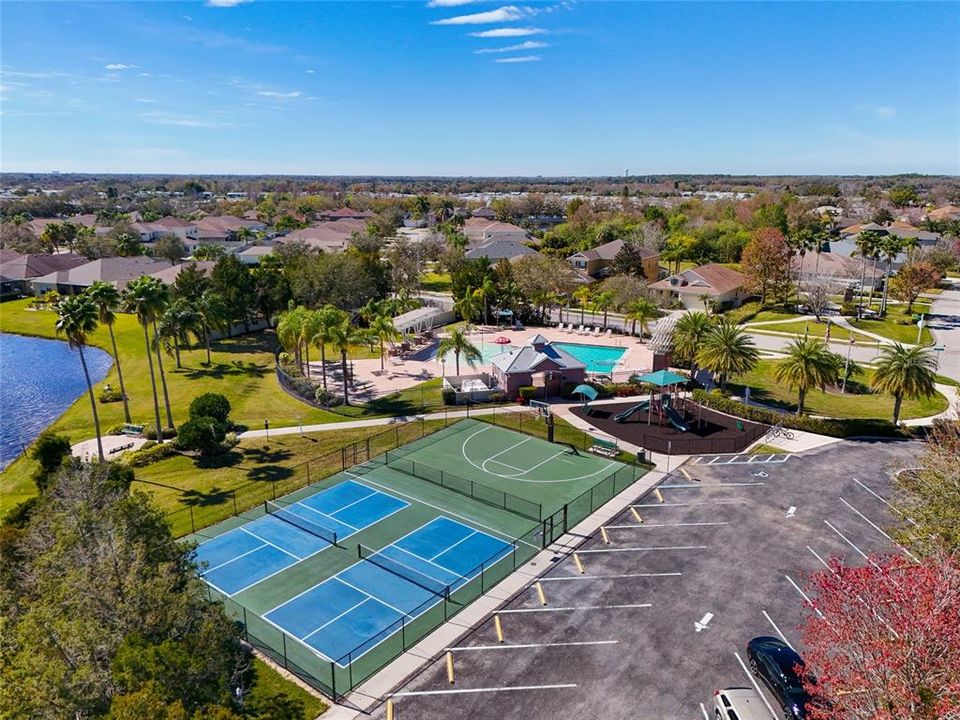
x,y
484,212
529,358
332,236
479,229
116,270
257,250
345,212
14,266
169,275
710,279
899,228
499,249
947,212
830,265
608,251
223,224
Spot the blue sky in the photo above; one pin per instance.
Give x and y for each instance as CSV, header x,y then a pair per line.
x,y
479,88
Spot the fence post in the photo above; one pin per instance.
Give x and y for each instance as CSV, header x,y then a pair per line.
x,y
283,637
234,494
246,630
396,434
308,473
193,527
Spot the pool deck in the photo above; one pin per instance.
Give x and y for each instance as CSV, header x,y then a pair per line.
x,y
401,373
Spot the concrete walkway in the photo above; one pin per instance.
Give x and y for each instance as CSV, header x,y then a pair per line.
x,y
113,445
944,323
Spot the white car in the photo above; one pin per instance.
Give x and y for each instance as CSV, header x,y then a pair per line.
x,y
739,704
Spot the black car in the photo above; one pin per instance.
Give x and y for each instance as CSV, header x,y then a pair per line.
x,y
782,669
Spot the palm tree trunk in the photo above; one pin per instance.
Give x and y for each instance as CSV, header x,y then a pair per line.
x,y
93,403
206,340
816,265
123,391
863,278
176,352
306,347
323,363
153,385
456,355
381,354
163,379
886,284
801,396
897,401
873,282
343,369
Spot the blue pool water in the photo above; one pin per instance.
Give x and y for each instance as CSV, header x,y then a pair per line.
x,y
597,358
39,379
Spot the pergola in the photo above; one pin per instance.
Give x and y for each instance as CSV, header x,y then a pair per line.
x,y
416,321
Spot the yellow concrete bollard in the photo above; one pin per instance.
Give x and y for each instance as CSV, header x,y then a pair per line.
x,y
656,491
543,595
498,626
390,715
450,667
579,563
636,515
603,534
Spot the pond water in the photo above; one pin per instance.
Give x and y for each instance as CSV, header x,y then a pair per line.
x,y
39,379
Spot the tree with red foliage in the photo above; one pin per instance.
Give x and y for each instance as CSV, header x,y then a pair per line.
x,y
883,640
766,263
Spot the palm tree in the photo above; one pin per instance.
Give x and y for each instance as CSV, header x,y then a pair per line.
x,y
289,331
458,344
809,363
383,329
161,299
309,326
326,318
76,318
467,306
213,315
603,301
138,298
343,334
905,373
107,299
866,243
727,350
483,294
244,234
176,325
582,296
890,247
640,311
688,334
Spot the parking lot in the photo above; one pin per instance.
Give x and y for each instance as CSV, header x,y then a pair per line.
x,y
661,614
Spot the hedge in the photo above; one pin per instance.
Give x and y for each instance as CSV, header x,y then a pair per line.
x,y
822,426
148,455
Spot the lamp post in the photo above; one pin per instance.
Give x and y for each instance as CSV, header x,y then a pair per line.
x,y
920,327
846,366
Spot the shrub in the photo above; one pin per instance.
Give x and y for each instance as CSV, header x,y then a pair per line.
x,y
203,434
327,398
449,396
150,432
231,440
109,395
148,454
49,450
212,405
526,393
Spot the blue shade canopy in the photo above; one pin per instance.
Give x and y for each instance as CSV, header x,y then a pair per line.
x,y
588,392
662,378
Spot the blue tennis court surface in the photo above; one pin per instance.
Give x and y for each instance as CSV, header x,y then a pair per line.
x,y
361,606
248,554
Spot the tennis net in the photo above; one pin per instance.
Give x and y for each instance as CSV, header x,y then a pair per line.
x,y
288,516
400,569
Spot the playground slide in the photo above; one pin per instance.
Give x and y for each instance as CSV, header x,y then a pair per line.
x,y
676,419
625,415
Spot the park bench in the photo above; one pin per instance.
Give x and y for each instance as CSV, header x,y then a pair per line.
x,y
120,448
604,447
130,429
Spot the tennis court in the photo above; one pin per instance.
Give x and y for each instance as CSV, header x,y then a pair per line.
x,y
244,556
338,578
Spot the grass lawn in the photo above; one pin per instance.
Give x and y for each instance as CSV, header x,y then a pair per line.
x,y
764,449
436,282
257,469
269,685
889,328
813,329
832,404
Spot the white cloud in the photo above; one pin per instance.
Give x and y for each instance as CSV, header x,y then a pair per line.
x,y
150,101
508,13
528,45
509,32
118,66
520,59
187,121
311,72
450,3
885,111
226,3
276,94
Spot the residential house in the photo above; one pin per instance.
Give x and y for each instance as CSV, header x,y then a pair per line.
x,y
223,229
345,213
950,213
254,254
333,236
17,270
847,245
720,286
538,363
168,275
480,231
484,213
150,232
118,271
496,250
833,268
596,262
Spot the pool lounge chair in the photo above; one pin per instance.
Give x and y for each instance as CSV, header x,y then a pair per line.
x,y
597,330
561,326
608,333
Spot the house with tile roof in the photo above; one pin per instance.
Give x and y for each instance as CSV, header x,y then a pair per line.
x,y
721,286
538,363
950,213
596,262
480,231
497,250
222,229
17,270
334,236
118,271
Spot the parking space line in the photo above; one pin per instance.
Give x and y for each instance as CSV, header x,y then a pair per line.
x,y
689,504
662,525
879,530
714,460
574,607
704,711
886,502
610,577
508,688
756,687
641,549
733,459
851,544
803,595
822,561
779,631
502,646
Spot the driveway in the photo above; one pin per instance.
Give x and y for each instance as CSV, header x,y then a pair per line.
x,y
944,322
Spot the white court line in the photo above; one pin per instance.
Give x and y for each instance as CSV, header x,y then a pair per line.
x,y
710,485
804,595
543,462
500,646
641,549
851,544
503,452
236,557
446,549
887,503
508,688
779,631
756,687
324,515
500,462
609,577
573,608
875,527
334,619
662,525
373,597
267,542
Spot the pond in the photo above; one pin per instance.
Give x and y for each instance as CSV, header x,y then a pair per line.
x,y
39,380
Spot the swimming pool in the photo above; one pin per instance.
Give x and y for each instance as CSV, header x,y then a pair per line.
x,y
597,358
